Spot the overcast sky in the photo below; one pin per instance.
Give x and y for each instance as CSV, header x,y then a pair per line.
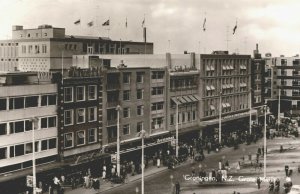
x,y
173,25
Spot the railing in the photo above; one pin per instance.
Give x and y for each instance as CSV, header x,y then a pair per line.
x,y
112,86
111,122
112,139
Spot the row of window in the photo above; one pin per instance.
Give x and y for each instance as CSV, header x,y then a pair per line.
x,y
34,49
112,132
139,77
183,117
27,102
80,93
27,148
80,115
26,125
139,94
80,138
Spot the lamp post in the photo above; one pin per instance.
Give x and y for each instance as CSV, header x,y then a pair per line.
x,y
278,117
35,121
177,147
118,140
265,141
250,116
143,135
220,119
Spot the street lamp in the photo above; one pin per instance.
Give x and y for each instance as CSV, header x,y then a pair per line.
x,y
278,117
177,147
265,140
118,140
250,107
220,119
35,122
143,134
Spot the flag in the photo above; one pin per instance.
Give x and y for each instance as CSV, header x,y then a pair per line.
x,y
235,27
106,23
77,22
90,24
126,23
204,24
143,22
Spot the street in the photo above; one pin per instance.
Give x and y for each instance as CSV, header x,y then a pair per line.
x,y
238,180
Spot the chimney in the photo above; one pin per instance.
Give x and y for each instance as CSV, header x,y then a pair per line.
x,y
168,60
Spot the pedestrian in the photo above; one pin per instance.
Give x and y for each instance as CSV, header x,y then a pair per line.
x,y
260,166
220,165
158,162
177,188
286,170
258,182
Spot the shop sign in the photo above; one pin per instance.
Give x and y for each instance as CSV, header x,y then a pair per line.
x,y
29,181
166,139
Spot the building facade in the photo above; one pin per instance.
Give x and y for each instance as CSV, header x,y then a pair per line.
x,y
48,48
23,97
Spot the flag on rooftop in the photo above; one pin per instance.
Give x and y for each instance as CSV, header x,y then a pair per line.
x,y
143,22
204,28
77,22
235,27
90,24
126,23
106,23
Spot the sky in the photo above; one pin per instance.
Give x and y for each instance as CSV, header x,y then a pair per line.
x,y
172,25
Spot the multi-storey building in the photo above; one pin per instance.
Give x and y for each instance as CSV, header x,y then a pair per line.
x,y
257,79
286,81
47,48
80,114
227,77
27,101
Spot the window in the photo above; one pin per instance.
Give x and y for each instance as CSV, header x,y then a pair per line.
x,y
16,103
126,129
36,49
157,91
140,77
12,151
68,140
80,93
3,104
139,126
52,143
194,115
126,95
28,148
51,122
30,49
18,127
157,106
3,128
44,145
157,75
139,94
3,153
23,49
44,123
44,48
92,114
68,94
80,138
126,112
92,135
157,123
140,110
92,92
80,115
126,78
48,100
172,119
68,117
31,101
19,150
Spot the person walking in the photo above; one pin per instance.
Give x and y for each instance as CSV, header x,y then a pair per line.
x,y
258,181
286,170
177,188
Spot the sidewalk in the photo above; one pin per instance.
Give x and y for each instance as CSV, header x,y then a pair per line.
x,y
107,185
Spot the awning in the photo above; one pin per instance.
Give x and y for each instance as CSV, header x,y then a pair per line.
x,y
208,68
175,100
197,97
243,67
224,105
231,66
181,100
208,88
80,134
227,104
224,67
212,87
231,85
212,107
212,67
243,84
187,99
224,86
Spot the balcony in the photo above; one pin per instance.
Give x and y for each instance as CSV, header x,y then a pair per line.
x,y
113,86
112,104
111,122
112,140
